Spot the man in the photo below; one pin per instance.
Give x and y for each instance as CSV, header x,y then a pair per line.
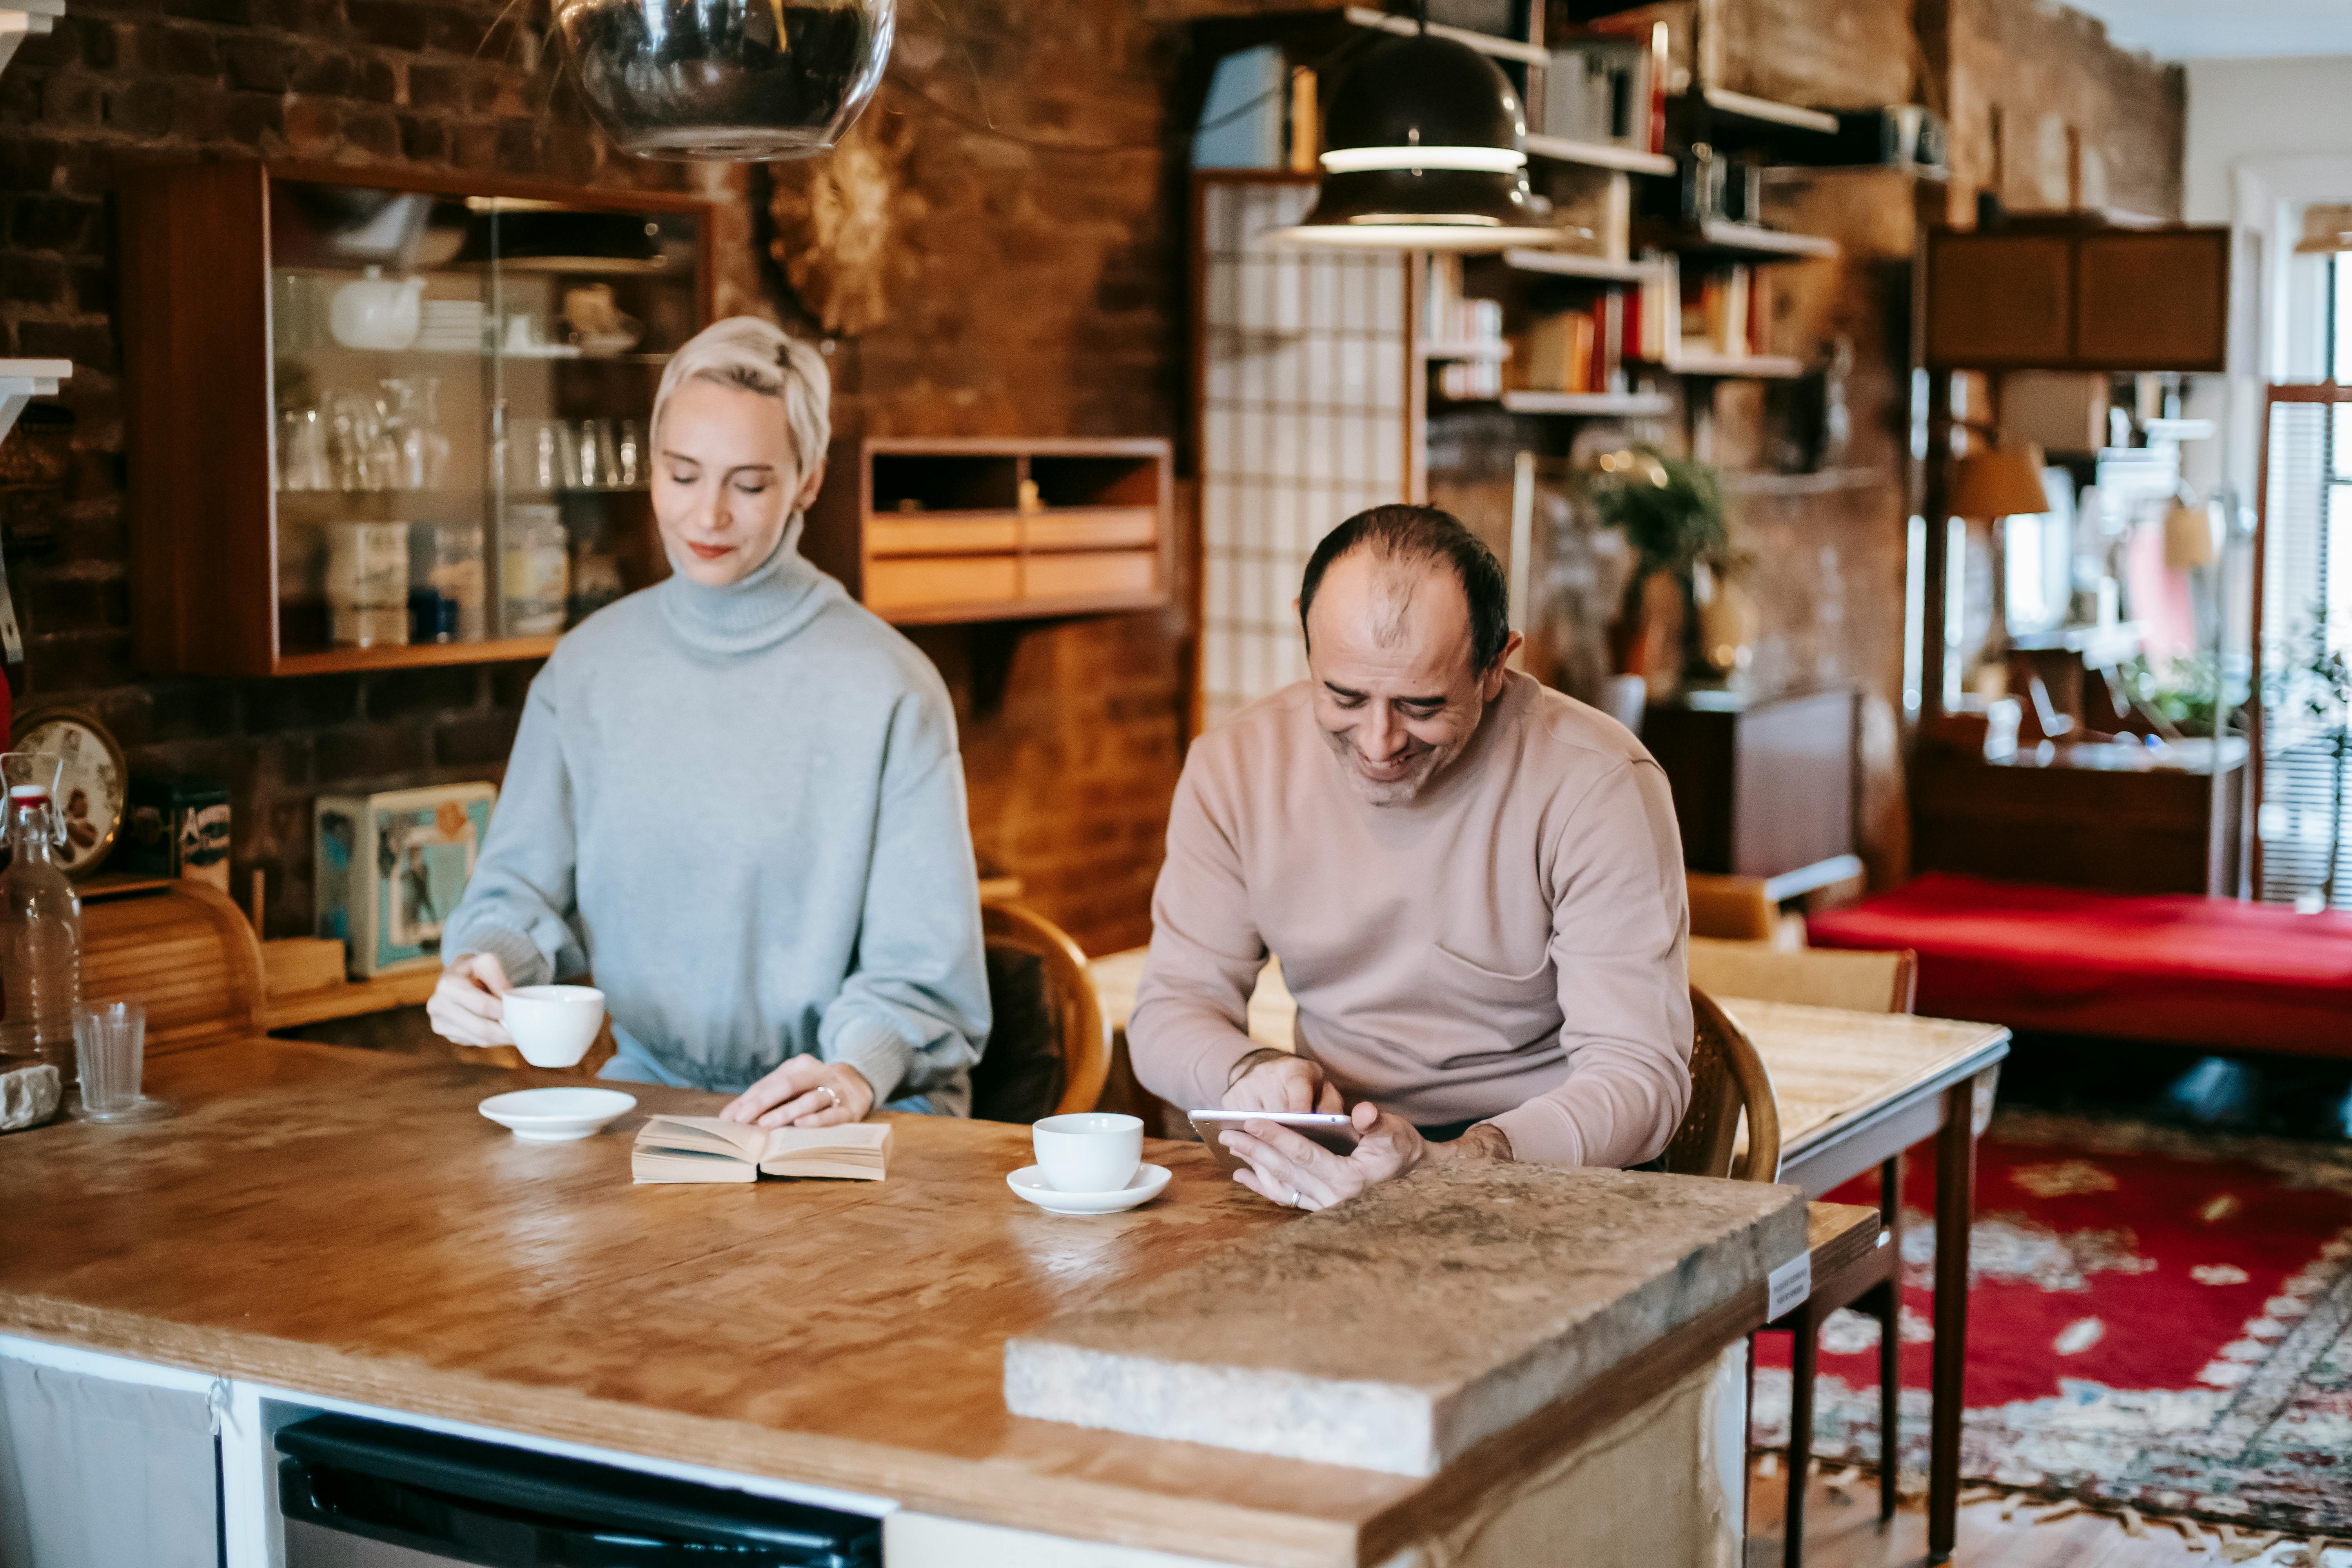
x,y
1474,885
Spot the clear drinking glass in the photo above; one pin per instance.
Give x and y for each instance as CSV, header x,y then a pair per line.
x,y
109,1049
629,457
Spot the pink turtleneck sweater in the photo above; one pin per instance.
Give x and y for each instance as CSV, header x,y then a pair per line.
x,y
1509,947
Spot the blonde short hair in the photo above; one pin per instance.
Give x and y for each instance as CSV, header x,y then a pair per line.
x,y
759,356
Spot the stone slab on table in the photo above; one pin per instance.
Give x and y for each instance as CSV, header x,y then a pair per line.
x,y
1396,1330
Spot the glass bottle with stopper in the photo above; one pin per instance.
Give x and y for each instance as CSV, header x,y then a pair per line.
x,y
40,919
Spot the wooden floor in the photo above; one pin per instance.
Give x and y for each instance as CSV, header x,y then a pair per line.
x,y
1846,1534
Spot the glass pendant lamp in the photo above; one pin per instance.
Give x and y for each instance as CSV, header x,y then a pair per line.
x,y
1424,151
748,80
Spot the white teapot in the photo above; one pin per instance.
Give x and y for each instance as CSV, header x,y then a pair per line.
x,y
376,313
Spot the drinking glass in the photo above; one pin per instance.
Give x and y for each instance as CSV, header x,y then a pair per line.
x,y
629,457
597,462
110,1050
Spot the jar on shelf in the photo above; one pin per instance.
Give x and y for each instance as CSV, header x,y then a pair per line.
x,y
446,595
535,570
367,583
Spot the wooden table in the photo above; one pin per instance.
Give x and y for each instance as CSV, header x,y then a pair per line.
x,y
343,1226
1855,1091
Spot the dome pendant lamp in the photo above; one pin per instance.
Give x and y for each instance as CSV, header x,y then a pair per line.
x,y
1424,138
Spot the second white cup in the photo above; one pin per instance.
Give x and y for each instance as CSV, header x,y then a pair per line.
x,y
1088,1150
553,1025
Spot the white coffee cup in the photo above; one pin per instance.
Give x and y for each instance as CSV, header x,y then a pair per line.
x,y
1088,1150
553,1025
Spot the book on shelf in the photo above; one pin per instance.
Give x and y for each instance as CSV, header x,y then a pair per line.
x,y
1656,333
1450,317
1580,351
706,1149
1725,314
1608,84
1470,381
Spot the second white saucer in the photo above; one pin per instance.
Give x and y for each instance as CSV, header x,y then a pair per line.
x,y
1030,1183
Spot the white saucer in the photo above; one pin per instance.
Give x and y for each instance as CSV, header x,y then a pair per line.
x,y
1030,1183
556,1115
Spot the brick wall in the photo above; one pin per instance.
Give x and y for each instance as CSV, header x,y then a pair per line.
x,y
1042,302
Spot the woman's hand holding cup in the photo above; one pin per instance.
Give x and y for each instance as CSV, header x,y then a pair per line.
x,y
468,1006
804,1093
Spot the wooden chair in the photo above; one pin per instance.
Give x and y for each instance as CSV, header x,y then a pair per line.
x,y
1814,977
1861,983
185,952
1049,1048
1728,1082
1730,908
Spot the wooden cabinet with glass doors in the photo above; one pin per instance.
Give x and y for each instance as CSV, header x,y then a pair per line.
x,y
377,421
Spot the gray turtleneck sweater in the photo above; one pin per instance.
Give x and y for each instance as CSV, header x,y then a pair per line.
x,y
743,807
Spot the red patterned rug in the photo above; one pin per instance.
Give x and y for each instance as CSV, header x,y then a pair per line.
x,y
2156,1317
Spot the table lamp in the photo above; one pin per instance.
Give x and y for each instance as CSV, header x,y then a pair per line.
x,y
2000,481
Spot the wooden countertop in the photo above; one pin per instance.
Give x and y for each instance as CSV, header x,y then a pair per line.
x,y
343,1223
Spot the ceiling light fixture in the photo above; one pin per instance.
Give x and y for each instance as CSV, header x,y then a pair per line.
x,y
1425,140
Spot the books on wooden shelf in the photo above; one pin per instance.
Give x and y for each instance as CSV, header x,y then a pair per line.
x,y
1448,316
1713,319
1580,351
1608,85
706,1149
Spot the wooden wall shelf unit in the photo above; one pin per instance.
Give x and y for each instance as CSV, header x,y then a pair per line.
x,y
1594,405
2072,295
239,374
947,531
1573,264
1597,154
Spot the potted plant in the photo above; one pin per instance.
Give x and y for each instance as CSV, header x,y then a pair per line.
x,y
1671,510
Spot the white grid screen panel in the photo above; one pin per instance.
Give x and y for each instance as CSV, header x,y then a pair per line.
x,y
2305,817
1302,424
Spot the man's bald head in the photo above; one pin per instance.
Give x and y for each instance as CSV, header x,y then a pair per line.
x,y
1407,553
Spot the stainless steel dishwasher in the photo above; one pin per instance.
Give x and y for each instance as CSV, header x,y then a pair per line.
x,y
369,1494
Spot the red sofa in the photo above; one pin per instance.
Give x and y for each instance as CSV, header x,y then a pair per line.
x,y
2210,973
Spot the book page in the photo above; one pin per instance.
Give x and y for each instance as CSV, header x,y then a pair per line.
x,y
704,1134
855,1136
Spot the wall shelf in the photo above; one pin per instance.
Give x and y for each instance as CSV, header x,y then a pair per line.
x,y
1723,240
1597,154
1743,108
1590,404
1751,367
1569,264
408,656
1825,482
22,380
1485,43
226,268
25,19
1464,350
949,531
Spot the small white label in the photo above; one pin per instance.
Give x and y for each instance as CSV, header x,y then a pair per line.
x,y
1788,1285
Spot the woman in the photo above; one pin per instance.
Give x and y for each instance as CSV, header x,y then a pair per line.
x,y
736,796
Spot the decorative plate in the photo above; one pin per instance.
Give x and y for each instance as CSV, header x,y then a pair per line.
x,y
92,792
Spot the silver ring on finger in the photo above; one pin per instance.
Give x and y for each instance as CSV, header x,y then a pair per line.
x,y
831,1094
1292,1201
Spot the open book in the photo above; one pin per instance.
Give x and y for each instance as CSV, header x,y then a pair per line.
x,y
705,1149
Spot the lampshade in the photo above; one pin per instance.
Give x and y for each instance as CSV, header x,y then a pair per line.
x,y
2002,481
2325,229
2192,535
755,80
1425,154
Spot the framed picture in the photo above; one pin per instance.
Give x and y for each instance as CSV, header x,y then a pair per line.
x,y
93,788
390,869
